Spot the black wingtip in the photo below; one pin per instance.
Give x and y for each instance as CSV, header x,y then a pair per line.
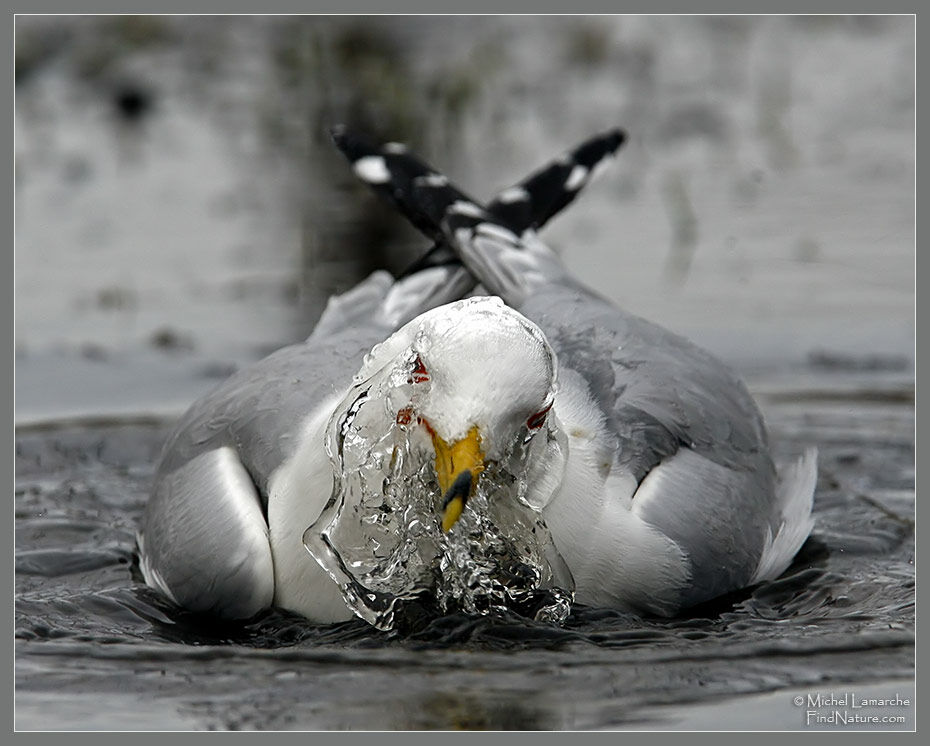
x,y
423,196
596,148
353,145
616,137
611,139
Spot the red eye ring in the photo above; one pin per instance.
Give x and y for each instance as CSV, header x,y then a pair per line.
x,y
419,374
536,421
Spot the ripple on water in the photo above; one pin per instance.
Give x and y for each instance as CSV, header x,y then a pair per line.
x,y
85,624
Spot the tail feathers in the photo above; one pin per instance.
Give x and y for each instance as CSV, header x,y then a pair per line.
x,y
795,495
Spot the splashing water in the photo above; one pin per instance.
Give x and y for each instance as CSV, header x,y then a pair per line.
x,y
380,537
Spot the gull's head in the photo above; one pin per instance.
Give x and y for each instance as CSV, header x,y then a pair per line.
x,y
472,382
447,418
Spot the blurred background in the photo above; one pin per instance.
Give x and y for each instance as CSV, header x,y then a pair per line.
x,y
181,211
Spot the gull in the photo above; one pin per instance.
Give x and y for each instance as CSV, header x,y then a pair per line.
x,y
644,456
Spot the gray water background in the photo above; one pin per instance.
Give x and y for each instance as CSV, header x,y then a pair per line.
x,y
180,212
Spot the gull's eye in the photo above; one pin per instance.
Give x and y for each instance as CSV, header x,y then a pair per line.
x,y
536,421
419,374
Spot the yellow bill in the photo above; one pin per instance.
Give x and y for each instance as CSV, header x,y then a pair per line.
x,y
457,468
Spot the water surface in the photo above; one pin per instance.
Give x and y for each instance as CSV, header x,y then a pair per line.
x,y
86,629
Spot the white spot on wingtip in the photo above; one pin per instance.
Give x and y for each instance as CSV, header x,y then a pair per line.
x,y
602,165
513,194
576,178
372,169
461,207
432,180
394,147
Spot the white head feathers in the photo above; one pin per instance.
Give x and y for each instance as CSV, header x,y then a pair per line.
x,y
485,365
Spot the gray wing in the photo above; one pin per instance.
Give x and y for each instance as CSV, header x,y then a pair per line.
x,y
258,412
684,425
204,540
204,536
